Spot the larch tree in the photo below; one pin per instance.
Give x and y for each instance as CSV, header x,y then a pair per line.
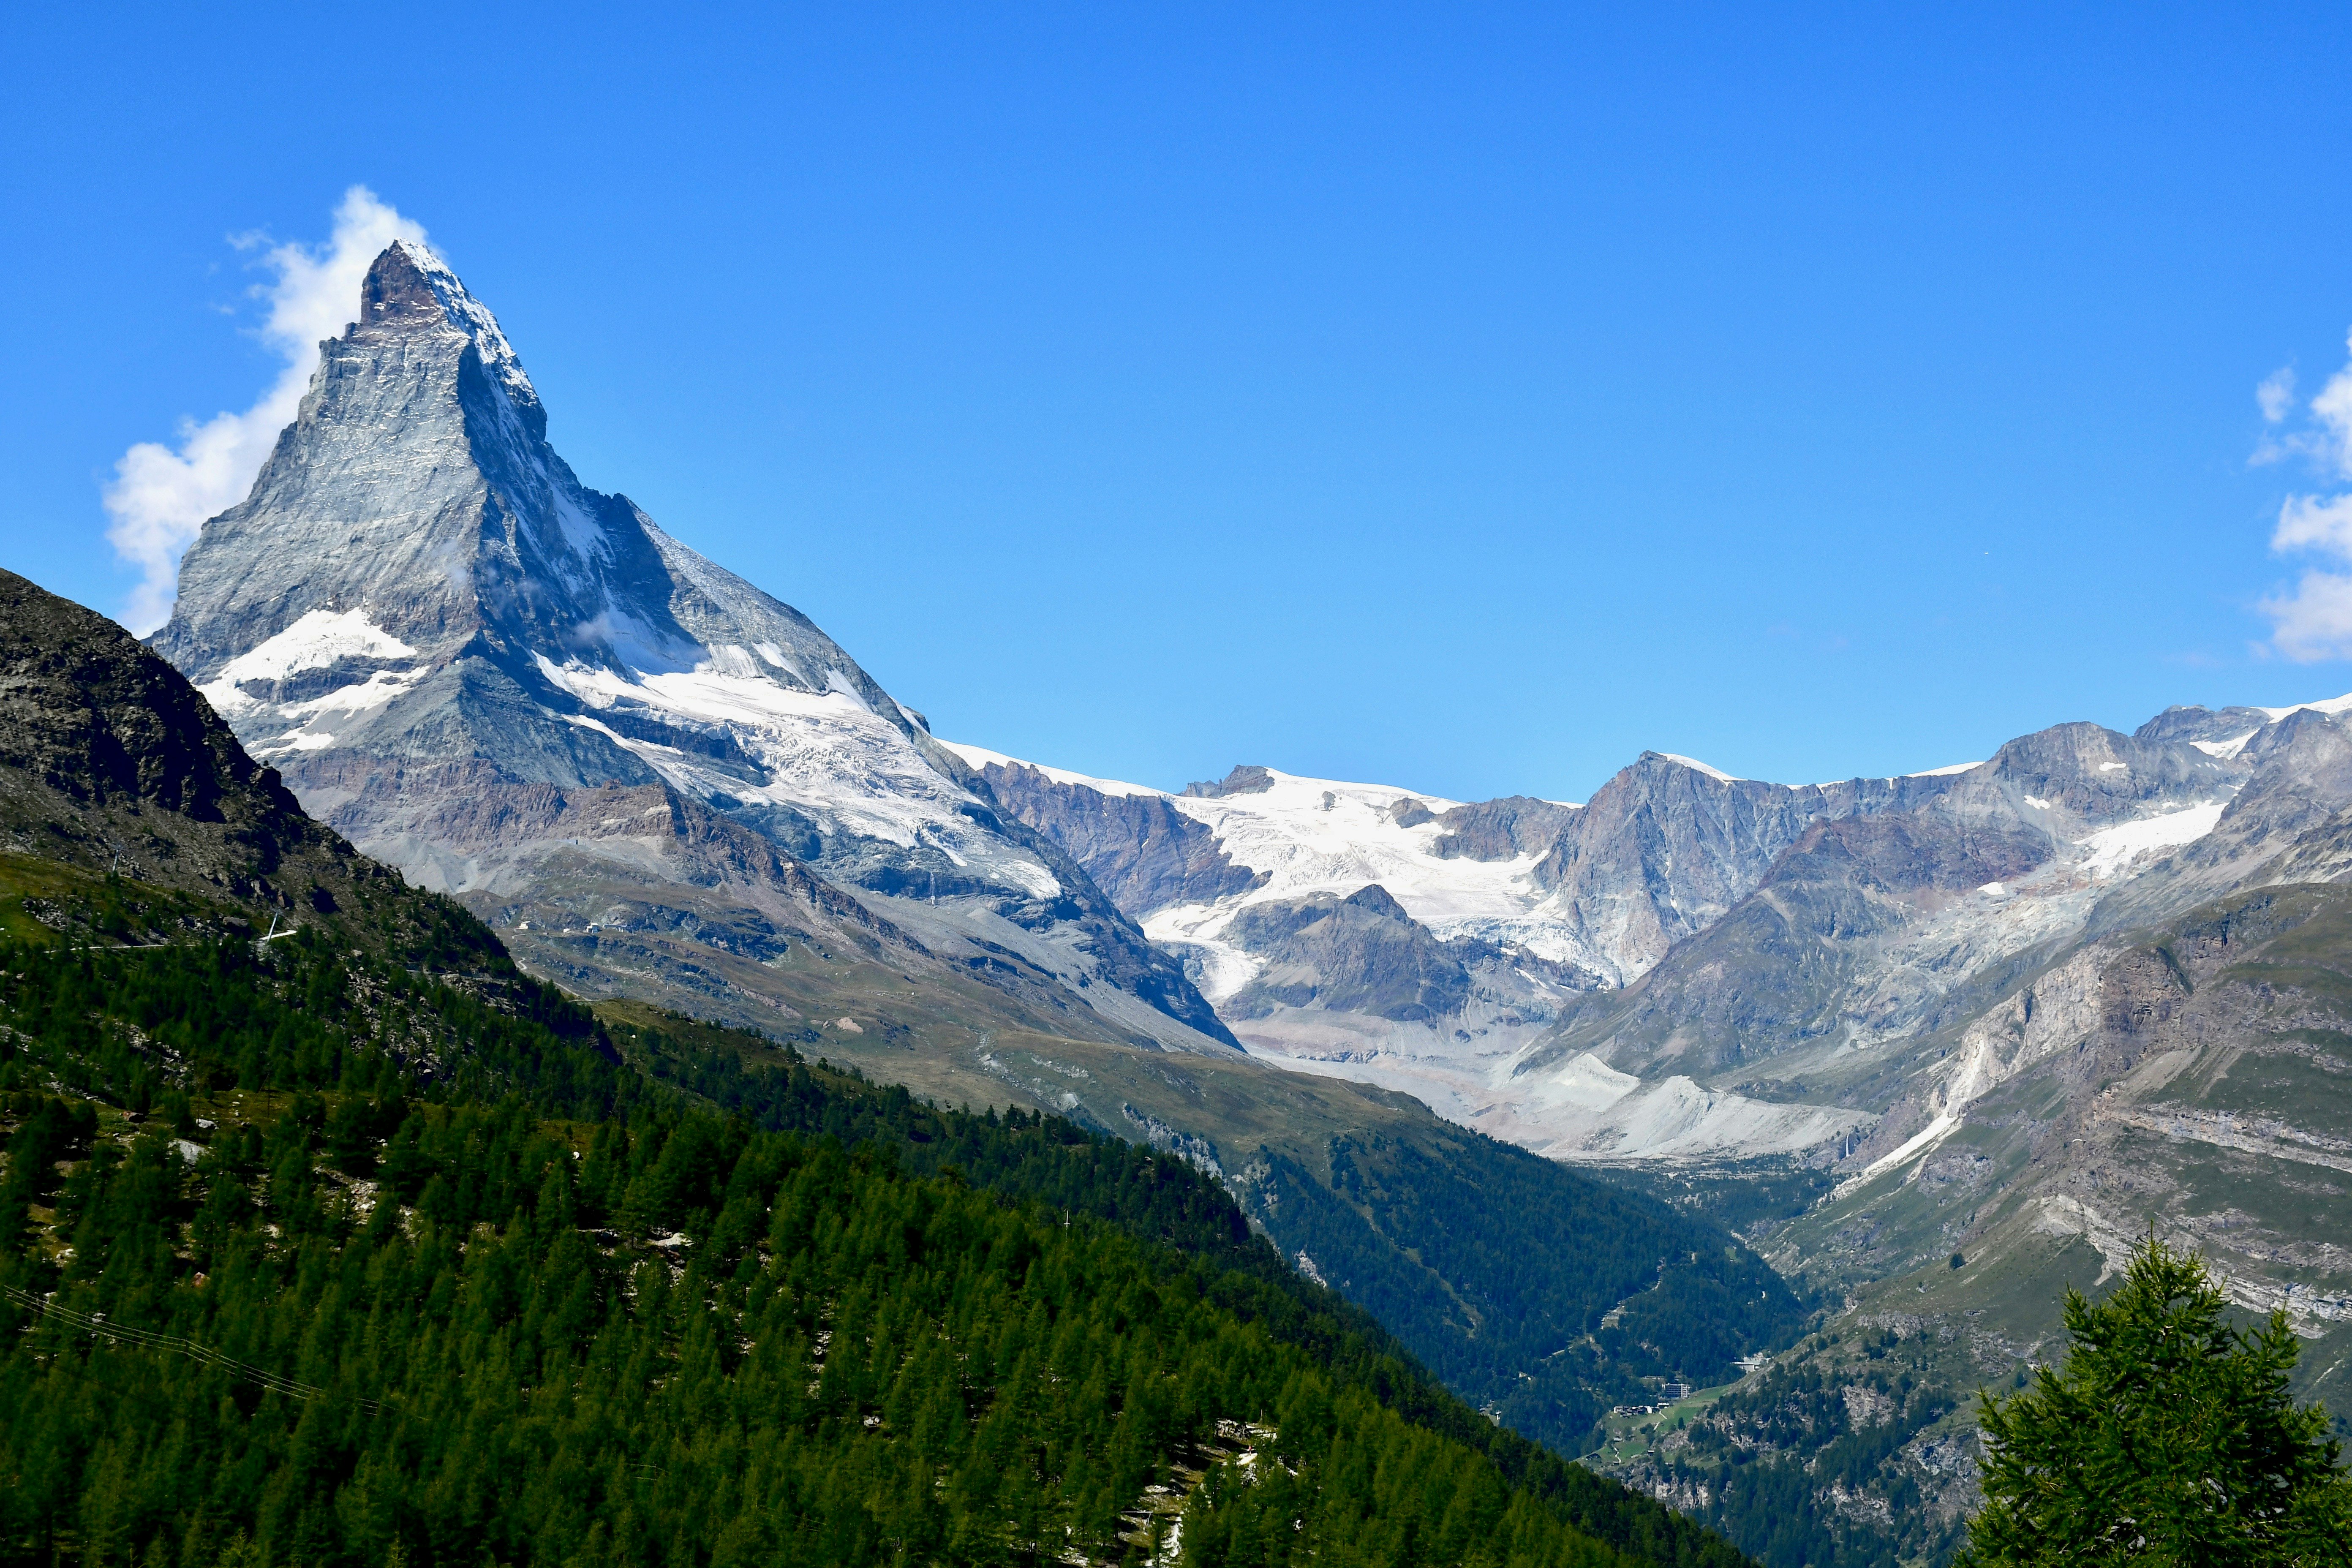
x,y
2168,1438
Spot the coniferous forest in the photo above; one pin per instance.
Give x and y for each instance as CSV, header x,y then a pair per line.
x,y
315,1256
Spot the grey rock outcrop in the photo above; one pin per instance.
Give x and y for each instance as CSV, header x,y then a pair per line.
x,y
1361,953
1666,847
2089,776
2215,727
1247,778
1137,849
1502,829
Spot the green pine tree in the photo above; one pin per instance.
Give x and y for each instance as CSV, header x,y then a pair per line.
x,y
2168,1438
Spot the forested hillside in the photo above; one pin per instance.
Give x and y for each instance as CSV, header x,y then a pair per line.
x,y
311,1258
1593,1296
1154,1196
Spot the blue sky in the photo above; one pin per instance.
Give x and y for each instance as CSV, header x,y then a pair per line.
x,y
1463,400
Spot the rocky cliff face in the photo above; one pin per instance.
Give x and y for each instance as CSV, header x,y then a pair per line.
x,y
1361,953
1502,829
1664,849
452,649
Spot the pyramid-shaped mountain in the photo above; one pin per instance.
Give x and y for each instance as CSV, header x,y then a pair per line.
x,y
520,690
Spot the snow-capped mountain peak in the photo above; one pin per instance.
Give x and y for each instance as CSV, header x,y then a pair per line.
x,y
409,280
438,634
1297,835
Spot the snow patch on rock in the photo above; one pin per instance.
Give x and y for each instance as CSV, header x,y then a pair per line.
x,y
2113,849
1716,774
315,641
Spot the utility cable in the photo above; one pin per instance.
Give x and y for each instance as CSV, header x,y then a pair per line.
x,y
205,1355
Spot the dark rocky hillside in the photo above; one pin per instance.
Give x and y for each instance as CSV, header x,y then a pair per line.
x,y
112,768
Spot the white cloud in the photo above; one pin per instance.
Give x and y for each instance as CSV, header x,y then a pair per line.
x,y
2333,408
160,496
2313,620
2315,522
2276,394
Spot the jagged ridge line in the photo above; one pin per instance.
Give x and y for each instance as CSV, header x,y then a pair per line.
x,y
203,1353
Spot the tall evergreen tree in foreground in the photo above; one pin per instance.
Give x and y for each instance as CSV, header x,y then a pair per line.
x,y
2168,1438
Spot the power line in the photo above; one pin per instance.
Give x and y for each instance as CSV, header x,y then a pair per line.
x,y
186,1347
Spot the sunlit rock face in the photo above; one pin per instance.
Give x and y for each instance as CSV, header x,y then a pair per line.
x,y
426,623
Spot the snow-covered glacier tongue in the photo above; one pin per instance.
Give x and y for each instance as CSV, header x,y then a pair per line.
x,y
521,691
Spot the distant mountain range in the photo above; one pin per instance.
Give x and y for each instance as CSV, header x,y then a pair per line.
x,y
2011,1011
1598,980
1992,1021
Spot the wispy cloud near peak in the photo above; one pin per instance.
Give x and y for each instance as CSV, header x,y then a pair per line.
x,y
161,494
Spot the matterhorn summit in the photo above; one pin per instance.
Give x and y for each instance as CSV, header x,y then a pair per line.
x,y
521,691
